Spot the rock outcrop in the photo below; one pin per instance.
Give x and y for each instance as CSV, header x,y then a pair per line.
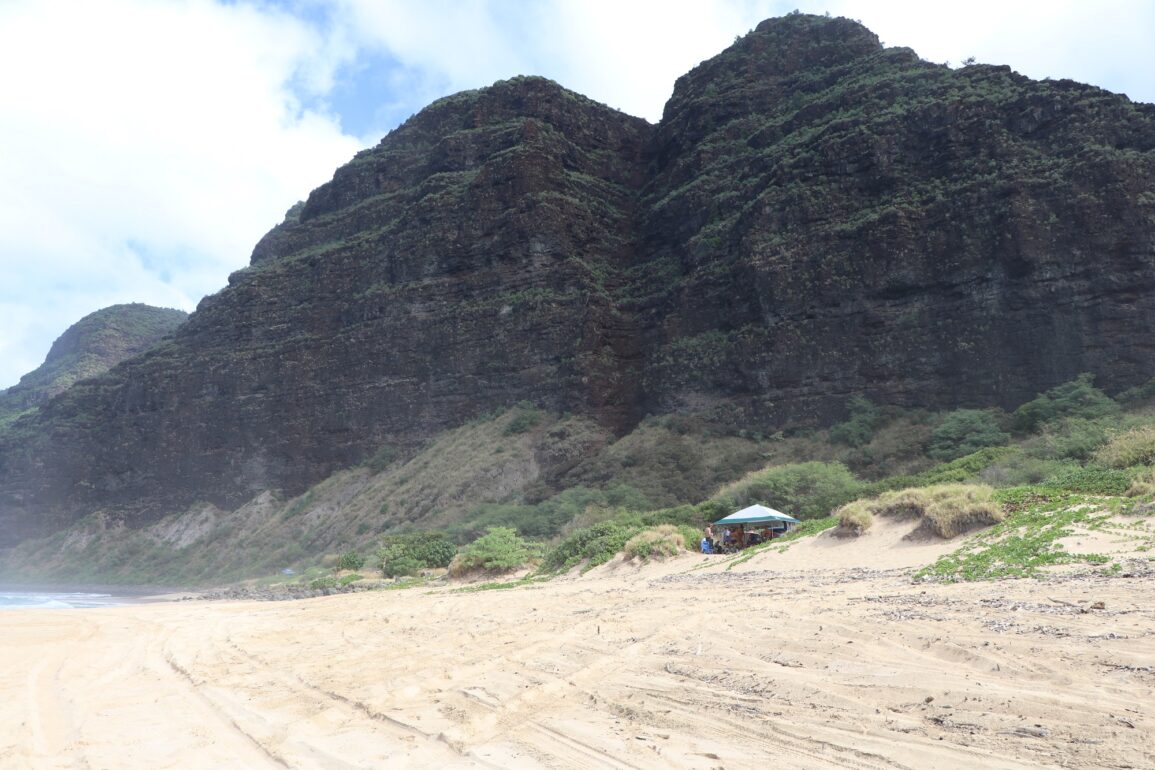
x,y
815,217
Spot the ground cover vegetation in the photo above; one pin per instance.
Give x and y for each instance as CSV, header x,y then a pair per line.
x,y
1030,475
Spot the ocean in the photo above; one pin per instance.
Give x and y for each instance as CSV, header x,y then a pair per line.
x,y
56,600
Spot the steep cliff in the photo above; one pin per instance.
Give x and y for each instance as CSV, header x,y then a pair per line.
x,y
458,267
843,218
816,216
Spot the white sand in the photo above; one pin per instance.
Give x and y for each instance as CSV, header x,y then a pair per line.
x,y
825,656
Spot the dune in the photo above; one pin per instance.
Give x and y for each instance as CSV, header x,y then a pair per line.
x,y
824,655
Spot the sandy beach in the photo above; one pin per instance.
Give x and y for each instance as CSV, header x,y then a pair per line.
x,y
825,656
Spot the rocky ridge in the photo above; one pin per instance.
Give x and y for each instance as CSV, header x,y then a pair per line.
x,y
88,348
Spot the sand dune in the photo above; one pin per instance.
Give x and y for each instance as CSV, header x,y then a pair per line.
x,y
784,661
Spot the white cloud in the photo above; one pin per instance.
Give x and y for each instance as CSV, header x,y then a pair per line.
x,y
148,145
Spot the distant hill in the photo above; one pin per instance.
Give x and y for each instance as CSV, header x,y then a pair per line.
x,y
816,217
90,347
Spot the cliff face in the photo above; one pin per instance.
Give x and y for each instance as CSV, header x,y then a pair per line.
x,y
815,217
844,218
456,268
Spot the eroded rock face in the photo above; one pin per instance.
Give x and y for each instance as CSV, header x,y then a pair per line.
x,y
846,219
815,217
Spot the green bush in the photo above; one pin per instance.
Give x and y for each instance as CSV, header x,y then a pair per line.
x,y
1092,480
655,543
549,517
964,432
1135,447
804,490
350,560
382,458
409,553
523,420
1077,398
1018,469
859,429
1144,392
500,549
1072,438
962,469
594,545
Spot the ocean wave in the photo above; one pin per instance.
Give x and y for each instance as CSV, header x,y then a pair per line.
x,y
19,600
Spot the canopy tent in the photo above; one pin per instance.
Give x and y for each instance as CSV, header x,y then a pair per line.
x,y
757,514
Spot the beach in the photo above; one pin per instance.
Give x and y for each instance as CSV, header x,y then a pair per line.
x,y
825,656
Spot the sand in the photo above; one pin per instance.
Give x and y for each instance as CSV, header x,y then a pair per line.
x,y
825,656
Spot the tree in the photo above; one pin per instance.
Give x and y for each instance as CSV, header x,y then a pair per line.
x,y
965,431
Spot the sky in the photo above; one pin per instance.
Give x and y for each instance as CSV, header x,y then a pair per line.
x,y
146,145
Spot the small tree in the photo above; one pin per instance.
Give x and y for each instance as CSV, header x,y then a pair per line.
x,y
859,429
1077,398
806,490
412,552
350,560
500,549
963,432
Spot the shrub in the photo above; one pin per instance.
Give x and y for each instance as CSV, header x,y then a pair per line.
x,y
865,418
960,470
594,545
655,542
964,432
1144,486
1144,392
901,504
412,552
1092,480
804,490
382,458
549,517
945,509
524,419
1072,438
1135,447
1018,469
350,560
1077,398
956,508
500,549
855,517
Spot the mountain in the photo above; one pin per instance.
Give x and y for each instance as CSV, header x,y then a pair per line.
x,y
815,217
88,348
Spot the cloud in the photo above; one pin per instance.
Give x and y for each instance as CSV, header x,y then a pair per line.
x,y
148,145
1105,43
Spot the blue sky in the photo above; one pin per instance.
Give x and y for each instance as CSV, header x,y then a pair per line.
x,y
148,144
